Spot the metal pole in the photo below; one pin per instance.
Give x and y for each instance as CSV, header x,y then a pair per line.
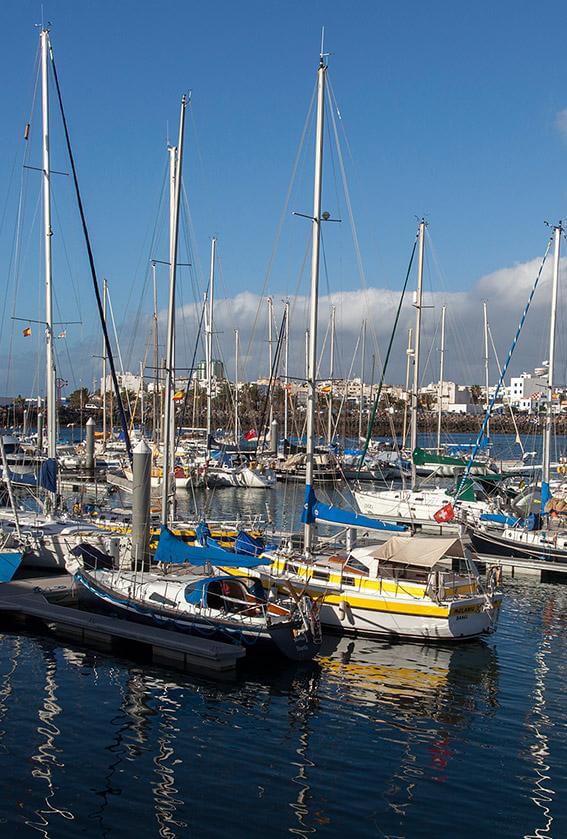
x,y
104,293
90,441
331,376
286,363
155,400
361,401
169,372
141,483
312,355
210,343
486,370
409,359
172,234
236,424
40,432
142,397
415,391
545,491
441,379
270,358
47,232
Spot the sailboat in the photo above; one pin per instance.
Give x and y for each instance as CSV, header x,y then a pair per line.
x,y
46,534
425,508
535,535
184,589
404,588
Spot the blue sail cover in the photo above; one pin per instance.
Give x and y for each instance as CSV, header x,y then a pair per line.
x,y
248,545
172,549
314,510
48,475
531,522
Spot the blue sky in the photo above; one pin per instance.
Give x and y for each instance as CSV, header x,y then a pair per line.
x,y
450,110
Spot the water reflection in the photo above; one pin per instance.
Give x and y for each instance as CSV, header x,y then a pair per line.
x,y
539,723
47,758
426,694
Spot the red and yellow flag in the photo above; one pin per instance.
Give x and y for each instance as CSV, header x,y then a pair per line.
x,y
27,332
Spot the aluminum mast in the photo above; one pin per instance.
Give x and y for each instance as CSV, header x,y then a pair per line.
x,y
314,305
169,443
415,391
545,491
51,372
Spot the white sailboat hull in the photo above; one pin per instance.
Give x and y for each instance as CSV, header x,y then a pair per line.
x,y
415,507
374,622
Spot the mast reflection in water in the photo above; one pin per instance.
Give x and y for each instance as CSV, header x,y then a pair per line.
x,y
371,739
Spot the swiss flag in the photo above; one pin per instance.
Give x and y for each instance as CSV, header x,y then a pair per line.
x,y
445,514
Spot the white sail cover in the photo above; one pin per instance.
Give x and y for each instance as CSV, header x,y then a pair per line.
x,y
406,550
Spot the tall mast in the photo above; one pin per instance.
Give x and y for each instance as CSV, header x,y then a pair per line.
x,y
486,370
331,376
104,293
545,492
172,150
142,406
286,371
155,399
415,391
361,399
314,304
270,357
236,423
168,443
209,345
47,232
409,359
441,379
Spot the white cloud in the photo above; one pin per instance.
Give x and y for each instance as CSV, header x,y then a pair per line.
x,y
506,291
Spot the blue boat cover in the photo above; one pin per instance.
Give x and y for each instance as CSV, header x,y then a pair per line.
x,y
202,532
314,510
172,549
531,522
248,545
9,564
48,475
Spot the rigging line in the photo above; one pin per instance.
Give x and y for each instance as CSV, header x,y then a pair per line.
x,y
386,360
503,371
196,384
94,277
354,234
152,253
518,438
282,216
76,290
345,391
26,142
117,342
273,374
16,268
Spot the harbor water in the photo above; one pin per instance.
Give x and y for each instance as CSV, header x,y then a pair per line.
x,y
371,739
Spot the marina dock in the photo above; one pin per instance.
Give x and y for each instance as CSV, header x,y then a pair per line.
x,y
39,599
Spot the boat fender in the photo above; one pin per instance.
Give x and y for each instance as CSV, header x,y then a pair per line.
x,y
345,611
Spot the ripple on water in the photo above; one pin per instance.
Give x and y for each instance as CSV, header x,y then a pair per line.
x,y
373,739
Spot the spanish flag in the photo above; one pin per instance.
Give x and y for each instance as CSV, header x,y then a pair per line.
x,y
27,332
178,395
